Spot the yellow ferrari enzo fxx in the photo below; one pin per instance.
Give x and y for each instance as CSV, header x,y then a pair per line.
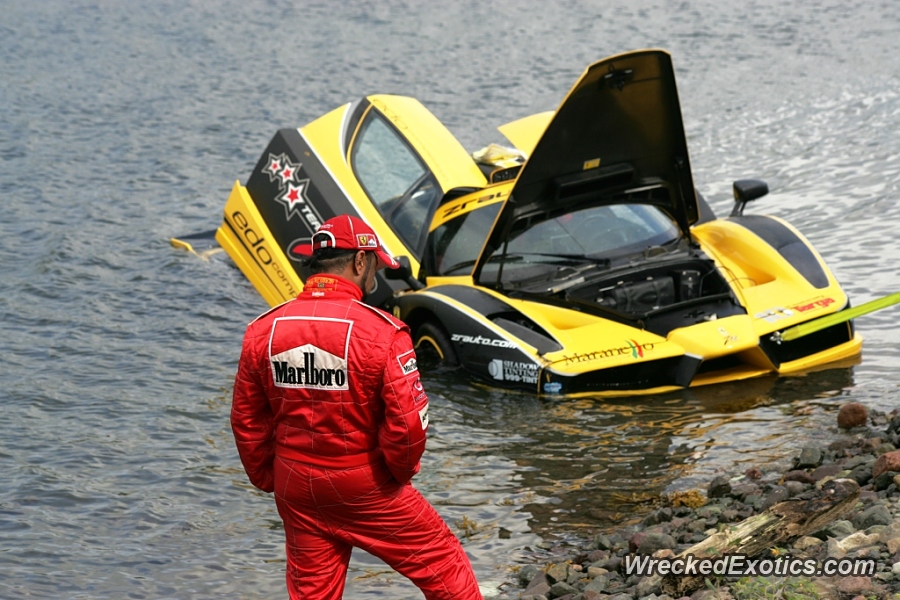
x,y
578,260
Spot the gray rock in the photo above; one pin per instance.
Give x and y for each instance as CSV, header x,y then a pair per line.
x,y
538,586
861,474
718,487
884,481
597,584
575,575
561,588
557,572
527,573
855,461
795,488
754,500
778,494
663,515
601,542
838,530
709,511
829,470
810,458
884,449
648,586
875,515
656,541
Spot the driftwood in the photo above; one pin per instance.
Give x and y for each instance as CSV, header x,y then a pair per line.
x,y
777,526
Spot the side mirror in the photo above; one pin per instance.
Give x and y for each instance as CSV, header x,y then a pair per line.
x,y
404,273
746,190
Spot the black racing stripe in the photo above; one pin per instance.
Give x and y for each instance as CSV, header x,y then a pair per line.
x,y
792,248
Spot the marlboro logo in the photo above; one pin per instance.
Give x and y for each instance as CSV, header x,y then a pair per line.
x,y
309,366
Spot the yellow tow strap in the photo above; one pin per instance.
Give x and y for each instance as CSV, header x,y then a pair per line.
x,y
798,331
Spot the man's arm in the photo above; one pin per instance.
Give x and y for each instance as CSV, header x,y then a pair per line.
x,y
402,435
252,421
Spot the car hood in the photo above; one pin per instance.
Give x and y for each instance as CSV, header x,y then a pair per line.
x,y
617,137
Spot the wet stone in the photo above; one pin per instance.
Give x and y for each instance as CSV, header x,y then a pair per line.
x,y
801,476
538,586
795,488
861,474
656,541
884,449
810,458
854,585
876,515
663,515
840,446
887,462
829,470
852,415
718,487
527,573
838,529
709,512
647,586
885,480
778,494
601,542
561,588
557,572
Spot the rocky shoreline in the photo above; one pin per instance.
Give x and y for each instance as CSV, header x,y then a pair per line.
x,y
865,451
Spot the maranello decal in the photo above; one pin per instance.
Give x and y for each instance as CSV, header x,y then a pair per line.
x,y
631,348
309,366
509,370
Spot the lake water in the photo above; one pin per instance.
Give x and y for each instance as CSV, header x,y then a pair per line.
x,y
123,124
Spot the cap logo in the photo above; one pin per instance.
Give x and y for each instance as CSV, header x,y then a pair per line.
x,y
366,240
323,239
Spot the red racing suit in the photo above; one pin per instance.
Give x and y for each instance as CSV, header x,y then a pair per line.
x,y
330,414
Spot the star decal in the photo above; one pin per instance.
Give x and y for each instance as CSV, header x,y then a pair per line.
x,y
279,168
294,198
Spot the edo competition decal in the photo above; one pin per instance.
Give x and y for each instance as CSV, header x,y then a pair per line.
x,y
481,341
407,362
292,189
308,366
632,347
509,370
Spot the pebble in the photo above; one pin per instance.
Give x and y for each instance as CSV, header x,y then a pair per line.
x,y
871,529
889,461
852,415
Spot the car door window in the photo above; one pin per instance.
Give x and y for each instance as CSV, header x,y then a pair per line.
x,y
454,247
396,180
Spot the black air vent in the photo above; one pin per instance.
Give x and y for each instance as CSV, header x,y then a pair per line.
x,y
594,181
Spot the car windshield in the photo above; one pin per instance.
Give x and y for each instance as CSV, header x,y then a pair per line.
x,y
592,236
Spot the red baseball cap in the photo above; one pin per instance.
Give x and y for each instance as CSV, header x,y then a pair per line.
x,y
346,232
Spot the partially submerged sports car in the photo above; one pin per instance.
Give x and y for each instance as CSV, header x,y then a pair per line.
x,y
579,260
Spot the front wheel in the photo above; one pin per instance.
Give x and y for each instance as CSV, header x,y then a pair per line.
x,y
433,346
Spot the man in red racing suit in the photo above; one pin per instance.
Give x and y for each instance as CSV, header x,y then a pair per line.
x,y
330,414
